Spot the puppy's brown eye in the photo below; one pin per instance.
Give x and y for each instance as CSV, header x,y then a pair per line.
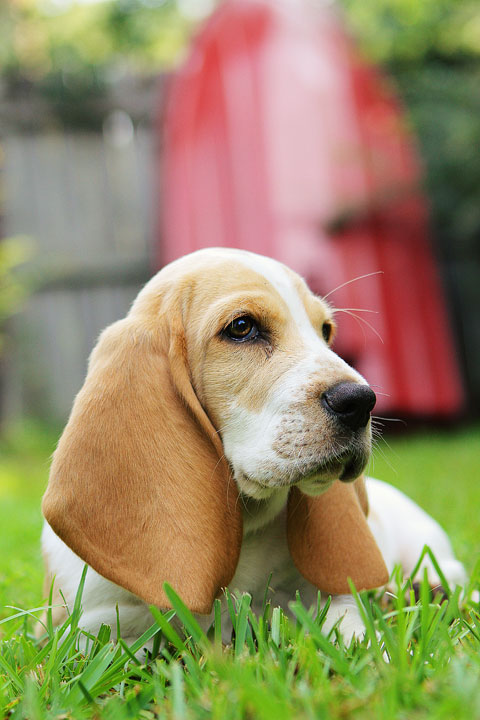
x,y
241,329
327,331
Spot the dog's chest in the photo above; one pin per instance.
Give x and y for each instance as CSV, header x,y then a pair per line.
x,y
264,552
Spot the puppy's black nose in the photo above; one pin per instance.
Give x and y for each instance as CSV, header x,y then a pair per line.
x,y
351,403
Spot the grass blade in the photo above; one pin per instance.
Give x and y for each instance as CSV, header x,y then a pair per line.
x,y
242,623
186,617
92,674
275,630
336,655
168,631
217,623
178,692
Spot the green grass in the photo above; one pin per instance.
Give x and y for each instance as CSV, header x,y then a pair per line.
x,y
441,471
24,459
274,668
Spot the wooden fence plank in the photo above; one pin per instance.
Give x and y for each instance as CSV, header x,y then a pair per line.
x,y
86,203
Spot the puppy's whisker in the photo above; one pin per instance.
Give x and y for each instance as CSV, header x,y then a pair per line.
x,y
375,424
375,312
384,456
357,320
349,282
294,510
389,446
378,437
226,426
387,419
217,464
242,499
230,475
377,430
360,319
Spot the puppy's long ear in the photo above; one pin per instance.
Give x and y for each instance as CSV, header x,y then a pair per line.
x,y
330,541
138,487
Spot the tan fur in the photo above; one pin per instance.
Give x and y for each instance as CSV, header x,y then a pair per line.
x,y
335,525
139,487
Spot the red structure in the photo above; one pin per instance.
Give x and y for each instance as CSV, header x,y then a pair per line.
x,y
281,139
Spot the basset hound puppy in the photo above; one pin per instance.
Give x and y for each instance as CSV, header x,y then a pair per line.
x,y
218,439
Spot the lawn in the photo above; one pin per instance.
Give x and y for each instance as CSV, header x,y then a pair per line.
x,y
417,661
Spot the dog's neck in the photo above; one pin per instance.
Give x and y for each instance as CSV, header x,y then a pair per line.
x,y
259,513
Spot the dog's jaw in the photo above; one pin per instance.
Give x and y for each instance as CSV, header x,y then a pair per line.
x,y
258,513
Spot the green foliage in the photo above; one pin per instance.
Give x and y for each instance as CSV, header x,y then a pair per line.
x,y
445,108
40,38
405,31
72,56
83,43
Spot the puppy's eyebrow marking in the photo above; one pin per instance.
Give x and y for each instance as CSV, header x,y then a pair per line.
x,y
279,278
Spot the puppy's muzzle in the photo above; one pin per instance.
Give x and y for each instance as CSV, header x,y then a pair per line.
x,y
350,403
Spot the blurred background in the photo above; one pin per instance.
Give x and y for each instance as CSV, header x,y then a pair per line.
x,y
342,138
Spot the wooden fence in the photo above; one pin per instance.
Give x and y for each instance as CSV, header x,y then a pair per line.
x,y
85,201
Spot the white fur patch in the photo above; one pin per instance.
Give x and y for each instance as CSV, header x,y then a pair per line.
x,y
249,437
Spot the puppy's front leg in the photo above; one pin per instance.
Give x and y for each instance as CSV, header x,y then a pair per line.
x,y
343,608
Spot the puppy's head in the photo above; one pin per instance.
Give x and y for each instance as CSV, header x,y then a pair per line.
x,y
222,366
288,409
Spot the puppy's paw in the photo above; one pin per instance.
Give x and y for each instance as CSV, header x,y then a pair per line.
x,y
344,613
